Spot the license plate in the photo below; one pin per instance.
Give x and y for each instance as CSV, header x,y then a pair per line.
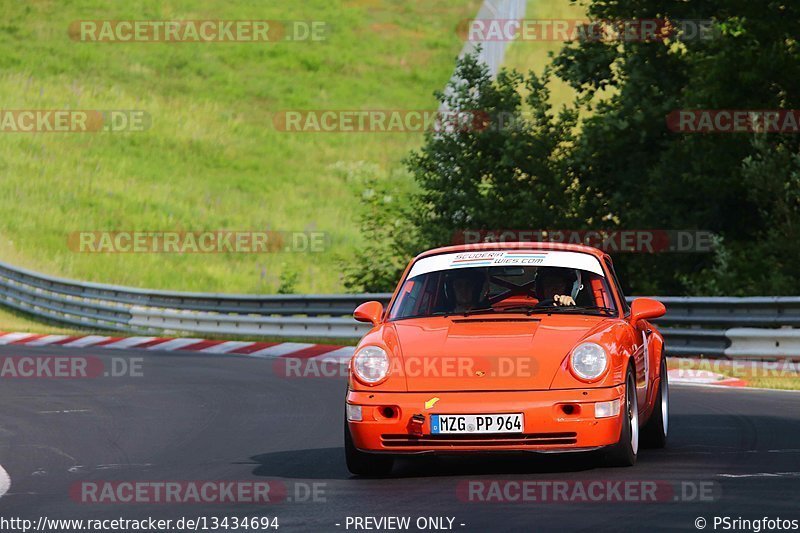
x,y
505,423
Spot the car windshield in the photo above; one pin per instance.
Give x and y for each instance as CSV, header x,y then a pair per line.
x,y
503,289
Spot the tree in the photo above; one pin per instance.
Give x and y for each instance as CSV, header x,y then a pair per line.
x,y
506,172
609,161
635,173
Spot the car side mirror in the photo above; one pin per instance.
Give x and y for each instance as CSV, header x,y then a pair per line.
x,y
646,308
369,312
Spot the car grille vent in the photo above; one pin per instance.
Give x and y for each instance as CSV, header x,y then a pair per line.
x,y
445,441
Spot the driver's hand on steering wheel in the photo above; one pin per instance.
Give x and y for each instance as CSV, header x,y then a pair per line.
x,y
563,300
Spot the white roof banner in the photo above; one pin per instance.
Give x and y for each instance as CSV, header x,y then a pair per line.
x,y
491,258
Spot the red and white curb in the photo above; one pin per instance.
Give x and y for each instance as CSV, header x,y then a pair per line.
x,y
293,350
686,376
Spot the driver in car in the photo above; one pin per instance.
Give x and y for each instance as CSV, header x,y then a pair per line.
x,y
467,288
554,285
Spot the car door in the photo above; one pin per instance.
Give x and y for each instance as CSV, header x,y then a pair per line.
x,y
643,347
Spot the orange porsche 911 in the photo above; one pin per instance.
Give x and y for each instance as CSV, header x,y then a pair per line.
x,y
506,347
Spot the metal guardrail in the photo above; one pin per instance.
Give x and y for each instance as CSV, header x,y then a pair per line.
x,y
710,326
759,311
143,311
726,327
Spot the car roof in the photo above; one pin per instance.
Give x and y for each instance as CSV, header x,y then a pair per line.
x,y
550,246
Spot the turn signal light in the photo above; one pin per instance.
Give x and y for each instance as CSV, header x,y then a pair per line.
x,y
606,409
354,413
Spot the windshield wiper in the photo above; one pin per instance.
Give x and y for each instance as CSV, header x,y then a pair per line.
x,y
568,308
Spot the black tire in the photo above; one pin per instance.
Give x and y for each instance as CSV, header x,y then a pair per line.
x,y
654,433
625,451
362,463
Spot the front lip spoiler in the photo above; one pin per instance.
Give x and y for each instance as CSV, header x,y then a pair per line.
x,y
586,386
484,452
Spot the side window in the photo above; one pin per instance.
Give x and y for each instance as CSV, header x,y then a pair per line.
x,y
407,299
626,309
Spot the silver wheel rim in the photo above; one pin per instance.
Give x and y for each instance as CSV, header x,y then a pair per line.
x,y
665,403
633,418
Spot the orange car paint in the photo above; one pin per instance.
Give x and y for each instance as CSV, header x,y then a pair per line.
x,y
539,343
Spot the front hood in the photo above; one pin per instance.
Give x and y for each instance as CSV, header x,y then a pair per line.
x,y
486,353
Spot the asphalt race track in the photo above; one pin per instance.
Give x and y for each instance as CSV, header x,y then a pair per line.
x,y
207,417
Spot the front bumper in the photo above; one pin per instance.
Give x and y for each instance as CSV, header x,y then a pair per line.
x,y
554,421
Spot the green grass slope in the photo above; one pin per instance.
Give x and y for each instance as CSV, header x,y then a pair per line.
x,y
212,158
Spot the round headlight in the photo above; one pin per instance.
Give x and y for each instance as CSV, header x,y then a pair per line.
x,y
589,360
371,364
